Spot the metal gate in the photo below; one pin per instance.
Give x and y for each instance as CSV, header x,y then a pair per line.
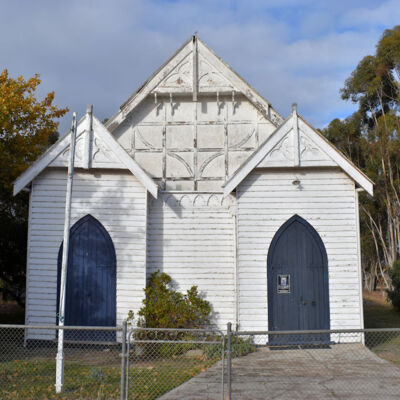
x,y
159,361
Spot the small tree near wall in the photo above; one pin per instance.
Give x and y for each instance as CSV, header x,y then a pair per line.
x,y
164,307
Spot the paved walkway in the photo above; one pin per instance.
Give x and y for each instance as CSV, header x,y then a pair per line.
x,y
346,371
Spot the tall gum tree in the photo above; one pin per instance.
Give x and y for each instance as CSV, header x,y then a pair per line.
x,y
370,137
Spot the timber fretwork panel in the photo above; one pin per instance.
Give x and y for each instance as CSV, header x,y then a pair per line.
x,y
187,145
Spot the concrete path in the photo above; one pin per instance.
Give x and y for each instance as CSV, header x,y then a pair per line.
x,y
345,371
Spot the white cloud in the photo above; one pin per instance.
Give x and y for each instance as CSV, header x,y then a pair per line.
x,y
386,13
100,51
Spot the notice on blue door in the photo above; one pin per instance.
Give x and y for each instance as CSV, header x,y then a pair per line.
x,y
283,283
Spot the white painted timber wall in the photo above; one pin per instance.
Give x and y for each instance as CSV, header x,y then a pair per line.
x,y
191,237
326,199
118,200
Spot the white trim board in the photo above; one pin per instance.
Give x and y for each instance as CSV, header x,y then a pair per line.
x,y
45,159
257,157
305,129
124,157
343,162
63,143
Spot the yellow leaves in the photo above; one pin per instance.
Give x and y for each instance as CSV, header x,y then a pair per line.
x,y
26,125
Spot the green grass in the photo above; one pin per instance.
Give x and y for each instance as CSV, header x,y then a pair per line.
x,y
90,373
34,379
378,313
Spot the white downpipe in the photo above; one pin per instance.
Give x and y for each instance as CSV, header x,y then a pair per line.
x,y
64,263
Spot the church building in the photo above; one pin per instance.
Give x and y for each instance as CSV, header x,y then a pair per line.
x,y
198,176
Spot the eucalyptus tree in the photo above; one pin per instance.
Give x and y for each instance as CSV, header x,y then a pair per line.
x,y
370,137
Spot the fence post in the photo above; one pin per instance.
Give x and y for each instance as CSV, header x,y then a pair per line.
x,y
123,359
229,359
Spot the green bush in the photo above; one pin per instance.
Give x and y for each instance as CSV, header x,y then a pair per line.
x,y
394,294
164,307
241,347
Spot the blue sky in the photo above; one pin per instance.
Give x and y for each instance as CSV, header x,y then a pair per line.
x,y
99,52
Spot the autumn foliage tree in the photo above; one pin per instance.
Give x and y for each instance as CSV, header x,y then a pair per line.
x,y
27,128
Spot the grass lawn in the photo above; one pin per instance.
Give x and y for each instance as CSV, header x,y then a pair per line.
x,y
34,379
90,372
378,313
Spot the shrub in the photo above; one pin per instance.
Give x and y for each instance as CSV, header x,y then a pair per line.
x,y
394,294
241,346
164,307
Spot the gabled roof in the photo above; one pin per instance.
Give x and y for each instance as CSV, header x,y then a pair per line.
x,y
193,65
62,145
297,144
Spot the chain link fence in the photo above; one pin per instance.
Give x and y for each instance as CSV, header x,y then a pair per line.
x,y
336,364
199,364
98,362
162,359
92,365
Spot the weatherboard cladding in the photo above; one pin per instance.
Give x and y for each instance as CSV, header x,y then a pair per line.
x,y
191,237
324,198
118,200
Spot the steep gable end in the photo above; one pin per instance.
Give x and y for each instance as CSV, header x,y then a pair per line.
x,y
309,154
90,152
95,148
194,69
296,144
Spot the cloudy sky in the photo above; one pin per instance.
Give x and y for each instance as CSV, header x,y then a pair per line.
x,y
99,52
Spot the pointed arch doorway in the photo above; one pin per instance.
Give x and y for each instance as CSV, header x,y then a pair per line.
x,y
298,289
91,279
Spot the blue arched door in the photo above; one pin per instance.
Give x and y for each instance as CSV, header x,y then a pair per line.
x,y
91,276
298,291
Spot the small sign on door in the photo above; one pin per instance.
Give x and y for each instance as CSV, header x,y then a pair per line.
x,y
283,283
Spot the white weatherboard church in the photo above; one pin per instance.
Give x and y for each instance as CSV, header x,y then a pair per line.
x,y
198,176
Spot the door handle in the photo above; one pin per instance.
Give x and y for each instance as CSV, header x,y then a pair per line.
x,y
303,302
313,303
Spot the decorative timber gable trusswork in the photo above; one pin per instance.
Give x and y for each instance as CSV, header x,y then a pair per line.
x,y
194,122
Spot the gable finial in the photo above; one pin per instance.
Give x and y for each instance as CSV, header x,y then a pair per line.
x,y
88,141
195,67
296,132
